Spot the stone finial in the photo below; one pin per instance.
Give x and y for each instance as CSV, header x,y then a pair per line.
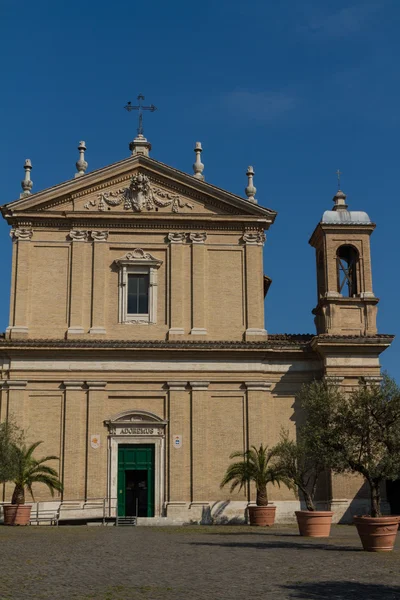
x,y
250,190
27,182
140,145
198,166
81,164
340,200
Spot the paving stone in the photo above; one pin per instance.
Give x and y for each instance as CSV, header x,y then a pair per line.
x,y
132,563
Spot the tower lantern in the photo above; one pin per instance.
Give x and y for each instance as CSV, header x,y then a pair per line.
x,y
346,302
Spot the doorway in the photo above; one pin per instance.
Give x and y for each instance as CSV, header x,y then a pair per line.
x,y
393,496
136,480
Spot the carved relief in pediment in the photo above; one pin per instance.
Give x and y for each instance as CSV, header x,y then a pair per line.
x,y
140,196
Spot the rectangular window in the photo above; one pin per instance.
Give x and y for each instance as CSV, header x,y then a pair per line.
x,y
138,294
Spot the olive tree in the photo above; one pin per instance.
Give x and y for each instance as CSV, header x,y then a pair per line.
x,y
10,439
356,432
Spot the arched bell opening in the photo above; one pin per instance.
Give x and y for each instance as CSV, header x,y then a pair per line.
x,y
347,258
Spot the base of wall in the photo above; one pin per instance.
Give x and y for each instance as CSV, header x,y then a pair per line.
x,y
199,513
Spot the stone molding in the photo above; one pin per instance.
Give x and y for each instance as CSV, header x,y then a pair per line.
x,y
22,234
140,257
371,379
333,379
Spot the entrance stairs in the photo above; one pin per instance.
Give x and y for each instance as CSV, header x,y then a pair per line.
x,y
126,521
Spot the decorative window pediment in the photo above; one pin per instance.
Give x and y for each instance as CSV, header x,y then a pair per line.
x,y
138,287
138,422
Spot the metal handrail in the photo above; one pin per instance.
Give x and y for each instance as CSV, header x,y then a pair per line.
x,y
106,504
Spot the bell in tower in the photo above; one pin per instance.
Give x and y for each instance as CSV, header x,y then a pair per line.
x,y
346,302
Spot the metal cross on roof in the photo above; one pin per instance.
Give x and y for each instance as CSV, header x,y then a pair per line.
x,y
140,108
338,173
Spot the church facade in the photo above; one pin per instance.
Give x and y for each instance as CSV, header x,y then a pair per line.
x,y
137,349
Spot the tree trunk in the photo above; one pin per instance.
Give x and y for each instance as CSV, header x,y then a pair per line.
x,y
308,500
18,496
262,497
375,498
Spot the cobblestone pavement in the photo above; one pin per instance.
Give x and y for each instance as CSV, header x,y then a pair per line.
x,y
132,563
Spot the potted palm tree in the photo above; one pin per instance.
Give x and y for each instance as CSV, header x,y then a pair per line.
x,y
257,466
301,472
10,437
29,470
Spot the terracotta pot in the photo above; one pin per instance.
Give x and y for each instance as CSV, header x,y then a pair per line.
x,y
263,516
378,534
17,514
316,523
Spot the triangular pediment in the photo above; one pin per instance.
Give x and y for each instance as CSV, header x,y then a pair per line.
x,y
136,185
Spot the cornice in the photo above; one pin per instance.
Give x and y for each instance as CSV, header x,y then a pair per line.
x,y
298,341
164,221
289,342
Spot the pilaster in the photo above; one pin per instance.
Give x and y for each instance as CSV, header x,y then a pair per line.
x,y
74,455
16,401
75,325
176,285
99,289
179,454
254,286
260,414
199,439
3,401
20,313
96,441
198,283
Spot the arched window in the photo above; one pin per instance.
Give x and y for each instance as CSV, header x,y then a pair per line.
x,y
347,261
320,274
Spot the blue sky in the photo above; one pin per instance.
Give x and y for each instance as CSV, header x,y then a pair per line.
x,y
296,89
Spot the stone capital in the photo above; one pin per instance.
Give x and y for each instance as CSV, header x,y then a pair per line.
x,y
254,238
177,385
78,235
73,385
99,236
96,385
199,385
14,384
176,237
21,234
198,237
261,386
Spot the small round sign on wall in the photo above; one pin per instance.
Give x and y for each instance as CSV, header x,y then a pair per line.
x,y
177,441
95,441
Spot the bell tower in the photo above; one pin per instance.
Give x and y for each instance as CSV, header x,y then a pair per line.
x,y
346,302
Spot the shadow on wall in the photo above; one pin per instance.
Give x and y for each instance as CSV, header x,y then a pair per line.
x,y
343,590
214,515
218,514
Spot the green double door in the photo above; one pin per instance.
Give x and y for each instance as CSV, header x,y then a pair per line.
x,y
136,480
